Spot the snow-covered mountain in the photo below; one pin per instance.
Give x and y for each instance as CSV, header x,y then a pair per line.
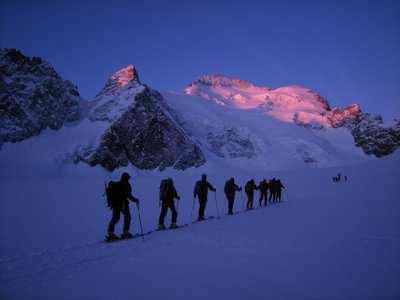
x,y
141,129
33,97
301,106
216,119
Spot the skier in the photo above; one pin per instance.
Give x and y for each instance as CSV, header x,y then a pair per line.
x,y
263,192
201,191
167,195
272,190
249,189
279,187
121,204
230,190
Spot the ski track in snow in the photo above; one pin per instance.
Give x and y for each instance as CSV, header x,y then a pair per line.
x,y
50,264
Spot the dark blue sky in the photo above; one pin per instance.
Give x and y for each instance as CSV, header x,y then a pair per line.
x,y
346,50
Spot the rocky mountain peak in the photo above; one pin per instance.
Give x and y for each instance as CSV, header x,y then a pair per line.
x,y
125,76
122,79
33,97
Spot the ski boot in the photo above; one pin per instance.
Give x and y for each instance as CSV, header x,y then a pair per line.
x,y
111,236
161,227
173,226
126,235
200,218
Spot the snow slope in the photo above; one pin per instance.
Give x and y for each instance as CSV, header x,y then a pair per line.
x,y
325,241
275,145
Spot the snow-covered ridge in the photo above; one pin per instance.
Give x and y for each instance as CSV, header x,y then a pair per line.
x,y
225,91
282,103
218,80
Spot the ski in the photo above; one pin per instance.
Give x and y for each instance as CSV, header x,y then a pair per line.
x,y
172,228
205,219
254,208
136,235
232,214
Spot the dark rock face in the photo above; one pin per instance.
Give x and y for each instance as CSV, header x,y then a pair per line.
x,y
33,97
148,136
218,80
368,131
370,134
341,117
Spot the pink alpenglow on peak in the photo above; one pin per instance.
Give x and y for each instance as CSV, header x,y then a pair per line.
x,y
125,76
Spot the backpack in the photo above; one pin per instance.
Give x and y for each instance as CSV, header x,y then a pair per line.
x,y
197,188
263,186
165,187
112,193
228,187
201,188
249,187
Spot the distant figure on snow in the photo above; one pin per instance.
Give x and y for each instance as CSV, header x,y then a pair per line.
x,y
201,191
272,190
263,192
279,187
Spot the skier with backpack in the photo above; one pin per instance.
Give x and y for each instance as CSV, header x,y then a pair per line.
x,y
249,189
167,195
118,196
201,191
230,189
279,187
272,190
263,192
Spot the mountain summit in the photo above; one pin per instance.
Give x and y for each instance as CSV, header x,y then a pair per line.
x,y
125,75
124,78
139,128
301,106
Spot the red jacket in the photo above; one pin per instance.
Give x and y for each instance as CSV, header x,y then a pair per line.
x,y
169,200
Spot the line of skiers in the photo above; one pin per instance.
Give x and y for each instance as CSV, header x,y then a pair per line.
x,y
119,193
338,177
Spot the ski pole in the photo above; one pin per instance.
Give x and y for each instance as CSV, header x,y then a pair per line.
x,y
216,203
140,220
241,195
287,195
191,214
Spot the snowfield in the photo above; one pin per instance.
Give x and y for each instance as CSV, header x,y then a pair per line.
x,y
326,240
